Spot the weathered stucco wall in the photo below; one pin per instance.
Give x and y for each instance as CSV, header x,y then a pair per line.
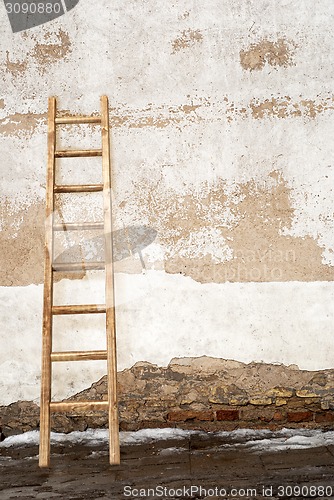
x,y
222,147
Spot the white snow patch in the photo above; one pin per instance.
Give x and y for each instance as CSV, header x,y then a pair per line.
x,y
171,451
96,436
149,435
285,439
253,440
312,439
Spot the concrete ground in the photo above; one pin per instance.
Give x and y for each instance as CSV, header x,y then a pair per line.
x,y
198,466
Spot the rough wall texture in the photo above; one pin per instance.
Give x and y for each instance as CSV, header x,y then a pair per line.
x,y
202,393
222,157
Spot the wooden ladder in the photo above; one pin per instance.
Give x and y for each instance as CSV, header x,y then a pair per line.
x,y
49,310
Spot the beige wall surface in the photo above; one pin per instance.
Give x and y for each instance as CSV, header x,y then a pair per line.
x,y
222,115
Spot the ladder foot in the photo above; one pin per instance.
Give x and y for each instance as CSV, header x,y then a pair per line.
x,y
44,465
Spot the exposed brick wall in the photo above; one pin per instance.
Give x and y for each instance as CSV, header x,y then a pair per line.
x,y
259,416
204,393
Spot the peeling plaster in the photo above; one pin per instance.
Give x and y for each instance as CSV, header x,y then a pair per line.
x,y
21,245
284,107
22,124
48,53
279,53
237,233
186,114
160,117
56,47
16,68
248,243
187,39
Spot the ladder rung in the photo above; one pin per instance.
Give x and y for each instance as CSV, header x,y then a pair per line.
x,y
79,356
79,309
79,406
72,120
73,153
84,188
78,188
74,226
75,267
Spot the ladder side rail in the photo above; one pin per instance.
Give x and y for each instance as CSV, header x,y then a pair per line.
x,y
45,423
114,447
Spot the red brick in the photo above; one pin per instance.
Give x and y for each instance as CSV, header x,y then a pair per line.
x,y
324,417
278,416
300,416
227,414
184,415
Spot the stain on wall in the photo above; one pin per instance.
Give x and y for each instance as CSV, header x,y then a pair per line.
x,y
278,53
